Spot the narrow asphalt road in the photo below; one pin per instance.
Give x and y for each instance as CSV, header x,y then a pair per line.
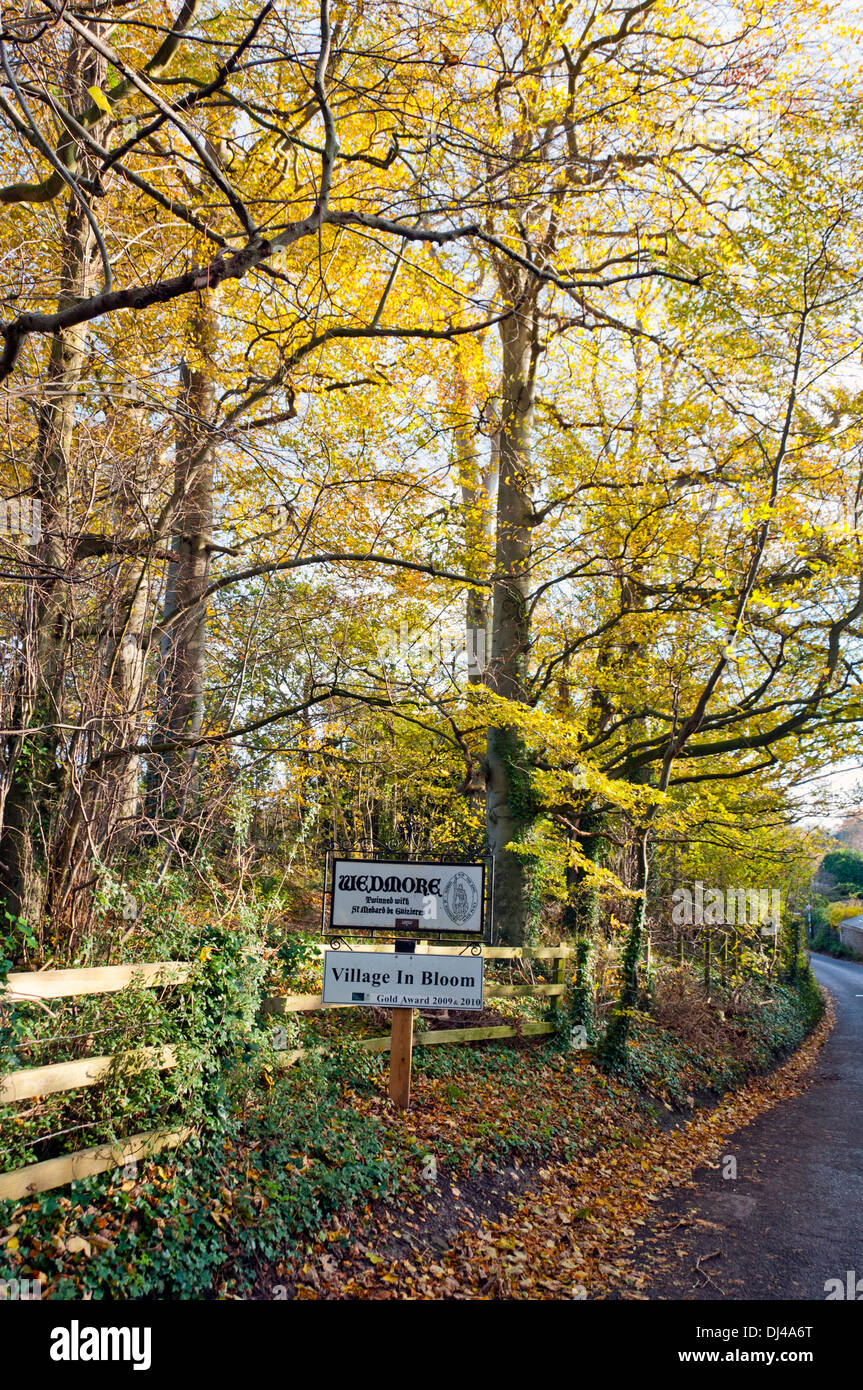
x,y
793,1217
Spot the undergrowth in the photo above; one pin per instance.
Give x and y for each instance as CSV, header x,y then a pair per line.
x,y
276,1152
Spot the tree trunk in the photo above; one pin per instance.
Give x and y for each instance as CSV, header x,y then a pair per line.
x,y
124,665
173,777
616,1038
508,790
478,489
34,777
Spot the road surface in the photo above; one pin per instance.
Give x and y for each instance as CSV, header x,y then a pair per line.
x,y
793,1218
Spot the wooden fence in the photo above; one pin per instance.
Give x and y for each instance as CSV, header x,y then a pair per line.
x,y
26,1083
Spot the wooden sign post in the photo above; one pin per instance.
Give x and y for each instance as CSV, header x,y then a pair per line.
x,y
401,1054
403,982
402,1045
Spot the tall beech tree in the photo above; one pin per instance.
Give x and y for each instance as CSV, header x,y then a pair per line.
x,y
318,323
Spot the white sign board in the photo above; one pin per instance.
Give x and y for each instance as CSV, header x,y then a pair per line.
x,y
402,899
402,980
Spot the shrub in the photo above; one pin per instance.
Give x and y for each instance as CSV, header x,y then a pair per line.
x,y
839,912
828,943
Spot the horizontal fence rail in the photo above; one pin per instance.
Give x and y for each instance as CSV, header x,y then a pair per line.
x,y
308,1003
28,1083
71,1076
101,979
86,1163
462,1035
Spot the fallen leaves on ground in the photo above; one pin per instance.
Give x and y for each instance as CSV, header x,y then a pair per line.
x,y
571,1235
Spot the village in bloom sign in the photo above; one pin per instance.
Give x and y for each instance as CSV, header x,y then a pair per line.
x,y
403,899
402,980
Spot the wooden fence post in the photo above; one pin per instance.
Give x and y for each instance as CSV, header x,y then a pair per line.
x,y
560,979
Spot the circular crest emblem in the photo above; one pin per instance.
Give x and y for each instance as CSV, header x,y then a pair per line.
x,y
460,898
